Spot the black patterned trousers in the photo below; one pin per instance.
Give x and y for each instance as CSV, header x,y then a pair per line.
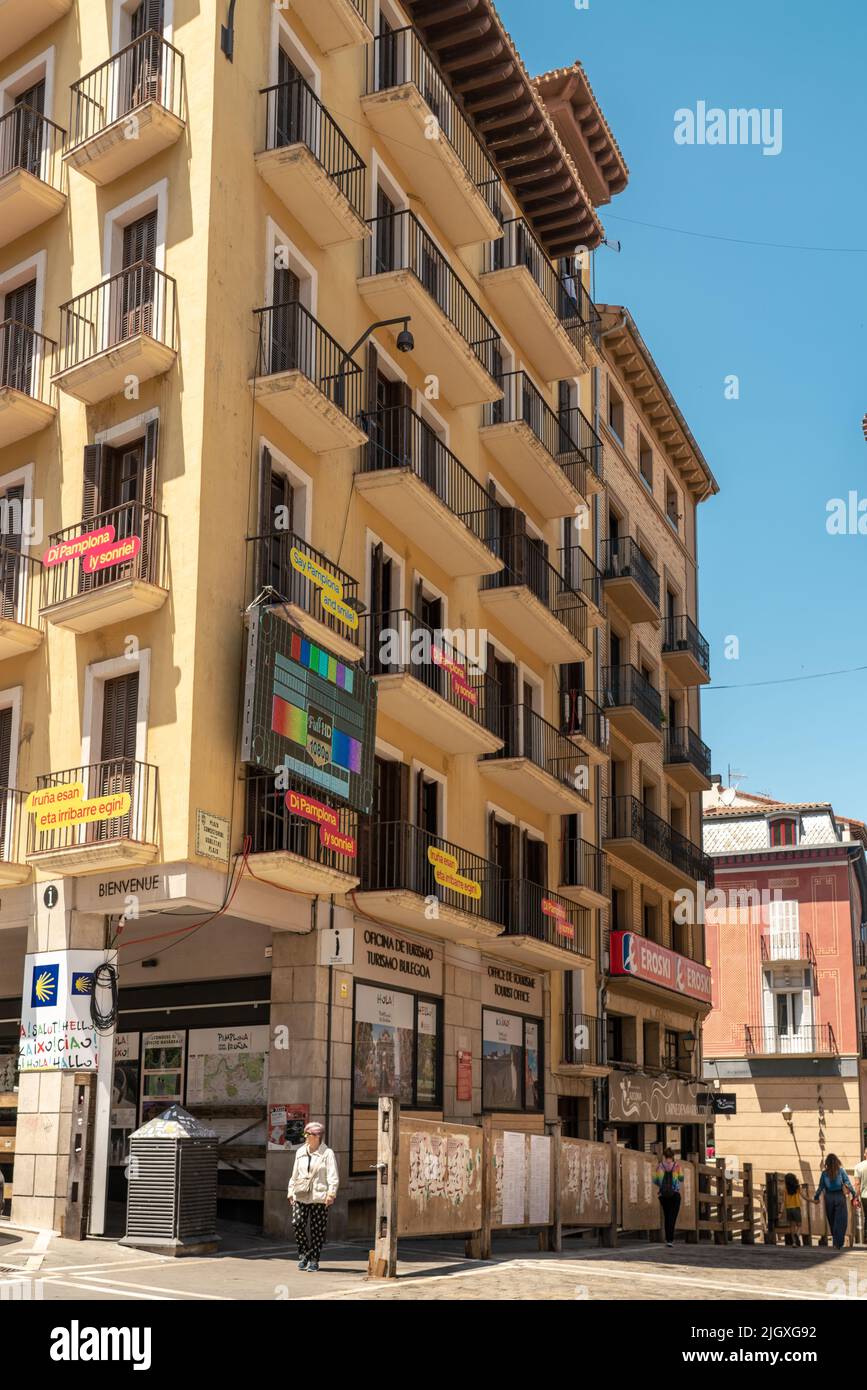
x,y
310,1221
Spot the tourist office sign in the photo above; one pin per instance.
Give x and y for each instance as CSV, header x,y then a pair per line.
x,y
637,957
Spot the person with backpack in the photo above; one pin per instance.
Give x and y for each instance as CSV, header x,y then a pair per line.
x,y
312,1191
834,1182
792,1204
668,1179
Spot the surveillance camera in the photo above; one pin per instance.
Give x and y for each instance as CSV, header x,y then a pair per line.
x,y
405,341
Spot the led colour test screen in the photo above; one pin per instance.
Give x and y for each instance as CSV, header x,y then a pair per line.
x,y
307,710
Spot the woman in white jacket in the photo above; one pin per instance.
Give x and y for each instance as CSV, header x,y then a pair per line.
x,y
312,1190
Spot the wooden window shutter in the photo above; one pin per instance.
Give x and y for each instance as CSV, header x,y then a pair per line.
x,y
372,374
119,710
94,455
5,745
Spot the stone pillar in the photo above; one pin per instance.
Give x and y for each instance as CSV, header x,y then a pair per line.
x,y
462,1029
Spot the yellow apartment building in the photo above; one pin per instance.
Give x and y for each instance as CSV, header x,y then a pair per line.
x,y
305,511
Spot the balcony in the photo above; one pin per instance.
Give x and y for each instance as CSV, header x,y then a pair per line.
x,y
583,1041
30,171
96,818
687,760
409,475
305,381
124,328
127,110
585,578
541,928
861,955
526,438
311,166
538,764
787,944
814,1040
685,652
579,429
109,568
535,603
425,684
21,20
20,579
302,840
406,275
646,842
26,405
630,580
584,872
14,868
314,594
403,867
553,320
427,135
335,24
586,724
632,704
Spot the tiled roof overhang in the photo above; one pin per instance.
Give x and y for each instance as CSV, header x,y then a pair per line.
x,y
493,87
584,131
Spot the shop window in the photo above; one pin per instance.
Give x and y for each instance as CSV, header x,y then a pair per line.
x,y
512,1063
397,1047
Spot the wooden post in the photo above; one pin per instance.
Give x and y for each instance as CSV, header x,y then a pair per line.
x,y
770,1235
74,1221
488,1187
608,1234
748,1235
552,1236
691,1237
382,1260
720,1236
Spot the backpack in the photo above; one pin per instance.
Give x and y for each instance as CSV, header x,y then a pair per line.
x,y
667,1188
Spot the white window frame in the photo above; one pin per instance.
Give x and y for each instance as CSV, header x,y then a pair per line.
x,y
13,478
432,775
370,540
301,482
121,22
154,198
95,676
19,274
304,269
282,35
12,699
381,175
40,67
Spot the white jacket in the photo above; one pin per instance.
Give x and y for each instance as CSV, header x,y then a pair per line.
x,y
322,1166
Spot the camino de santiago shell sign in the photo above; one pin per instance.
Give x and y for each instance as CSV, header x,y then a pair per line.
x,y
57,1033
309,712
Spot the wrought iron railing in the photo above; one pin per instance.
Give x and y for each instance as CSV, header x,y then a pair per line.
x,y
531,910
683,745
137,300
526,565
776,1042
582,716
11,810
580,571
583,1040
523,403
582,865
119,544
399,643
575,424
20,575
400,57
526,734
29,141
624,559
292,340
625,685
627,818
680,634
107,783
273,828
25,360
573,306
397,855
303,576
148,69
399,438
398,241
294,115
786,944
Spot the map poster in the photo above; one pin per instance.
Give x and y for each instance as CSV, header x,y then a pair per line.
x,y
228,1066
286,1126
162,1082
124,1095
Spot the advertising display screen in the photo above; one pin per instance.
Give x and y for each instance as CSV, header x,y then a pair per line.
x,y
308,711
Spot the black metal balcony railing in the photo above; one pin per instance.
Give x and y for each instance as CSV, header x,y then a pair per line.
x,y
399,643
25,360
531,910
776,1042
862,954
148,69
580,571
524,564
680,634
11,811
623,559
273,567
683,745
131,522
272,828
294,115
398,241
526,734
137,300
583,1040
395,856
106,780
627,818
786,944
399,438
400,57
582,716
625,685
292,340
570,301
522,402
19,575
29,141
575,424
582,865
864,1046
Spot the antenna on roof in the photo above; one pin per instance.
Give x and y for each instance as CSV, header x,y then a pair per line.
x,y
736,776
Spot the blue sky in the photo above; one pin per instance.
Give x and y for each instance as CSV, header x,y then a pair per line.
x,y
789,323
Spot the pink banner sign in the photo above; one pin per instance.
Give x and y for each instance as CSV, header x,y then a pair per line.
x,y
114,553
77,547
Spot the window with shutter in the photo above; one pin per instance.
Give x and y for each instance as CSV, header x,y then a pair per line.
x,y
6,802
783,930
24,150
135,301
17,348
141,64
13,575
116,768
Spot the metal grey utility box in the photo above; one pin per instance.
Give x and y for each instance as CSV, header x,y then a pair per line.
x,y
172,1185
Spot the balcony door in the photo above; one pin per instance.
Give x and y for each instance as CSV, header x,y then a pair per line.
x,y
534,860
429,610
135,302
428,820
504,850
389,423
18,345
384,257
286,344
142,63
119,491
28,132
788,1011
384,832
505,673
13,576
278,498
296,114
384,587
115,770
6,803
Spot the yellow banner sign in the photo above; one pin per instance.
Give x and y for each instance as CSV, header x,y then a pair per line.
x,y
331,586
54,807
445,867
